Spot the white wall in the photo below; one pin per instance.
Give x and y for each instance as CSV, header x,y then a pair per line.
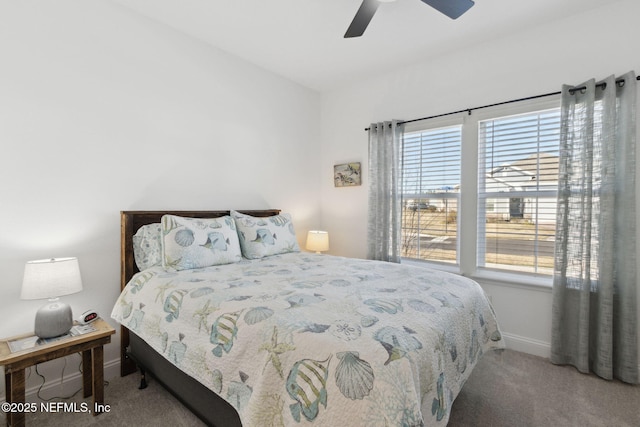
x,y
102,110
592,44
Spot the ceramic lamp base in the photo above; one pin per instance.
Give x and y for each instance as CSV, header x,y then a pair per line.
x,y
53,319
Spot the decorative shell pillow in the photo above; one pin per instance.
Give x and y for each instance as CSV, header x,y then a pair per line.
x,y
147,246
260,237
189,243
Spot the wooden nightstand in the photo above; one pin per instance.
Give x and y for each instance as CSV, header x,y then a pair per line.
x,y
89,344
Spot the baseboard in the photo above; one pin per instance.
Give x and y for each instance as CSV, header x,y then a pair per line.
x,y
70,382
527,345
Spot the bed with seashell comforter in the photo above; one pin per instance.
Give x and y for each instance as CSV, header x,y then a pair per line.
x,y
299,338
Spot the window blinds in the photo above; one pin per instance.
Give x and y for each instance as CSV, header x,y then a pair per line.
x,y
517,191
431,188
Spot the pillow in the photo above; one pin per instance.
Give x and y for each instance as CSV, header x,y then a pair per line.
x,y
147,248
260,237
189,243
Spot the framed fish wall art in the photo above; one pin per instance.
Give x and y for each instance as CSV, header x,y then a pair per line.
x,y
347,175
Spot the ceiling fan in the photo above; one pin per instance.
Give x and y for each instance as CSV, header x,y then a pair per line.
x,y
452,8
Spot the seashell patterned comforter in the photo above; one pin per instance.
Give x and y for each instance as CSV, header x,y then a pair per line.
x,y
300,338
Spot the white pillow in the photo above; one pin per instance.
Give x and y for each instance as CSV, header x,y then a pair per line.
x,y
189,243
264,236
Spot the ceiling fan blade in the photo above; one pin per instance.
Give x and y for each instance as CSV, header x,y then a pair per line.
x,y
452,8
361,20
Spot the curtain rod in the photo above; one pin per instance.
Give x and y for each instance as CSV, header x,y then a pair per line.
x,y
469,110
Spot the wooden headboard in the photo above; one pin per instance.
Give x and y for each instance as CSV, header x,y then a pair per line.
x,y
130,222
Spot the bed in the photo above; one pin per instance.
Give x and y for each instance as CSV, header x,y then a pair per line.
x,y
249,330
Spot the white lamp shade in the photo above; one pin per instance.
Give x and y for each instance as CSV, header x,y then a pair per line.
x,y
50,278
317,241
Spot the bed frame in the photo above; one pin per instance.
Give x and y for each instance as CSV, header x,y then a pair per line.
x,y
135,353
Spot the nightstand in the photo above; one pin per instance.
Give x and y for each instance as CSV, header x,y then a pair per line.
x,y
89,344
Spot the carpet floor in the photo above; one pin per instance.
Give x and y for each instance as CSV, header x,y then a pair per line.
x,y
506,389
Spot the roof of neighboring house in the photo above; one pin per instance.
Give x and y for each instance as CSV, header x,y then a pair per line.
x,y
547,162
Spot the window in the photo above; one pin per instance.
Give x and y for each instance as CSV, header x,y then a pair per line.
x,y
431,188
517,191
479,190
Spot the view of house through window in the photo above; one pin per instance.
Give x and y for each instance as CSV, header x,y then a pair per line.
x,y
517,179
517,191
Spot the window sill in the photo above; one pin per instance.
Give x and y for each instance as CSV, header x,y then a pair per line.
x,y
491,277
449,268
501,278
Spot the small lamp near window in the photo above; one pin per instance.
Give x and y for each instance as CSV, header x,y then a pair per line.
x,y
317,241
52,278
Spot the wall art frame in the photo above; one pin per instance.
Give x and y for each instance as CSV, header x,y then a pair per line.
x,y
347,174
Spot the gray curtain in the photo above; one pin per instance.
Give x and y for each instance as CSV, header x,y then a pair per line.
x,y
385,160
594,287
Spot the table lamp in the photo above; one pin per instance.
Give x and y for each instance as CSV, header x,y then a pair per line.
x,y
317,241
52,278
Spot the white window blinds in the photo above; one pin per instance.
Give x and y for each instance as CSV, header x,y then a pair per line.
x,y
431,190
517,191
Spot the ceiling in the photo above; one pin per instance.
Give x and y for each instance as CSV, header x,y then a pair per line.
x,y
302,40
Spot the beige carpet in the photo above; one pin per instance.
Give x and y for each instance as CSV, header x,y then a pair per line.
x,y
507,388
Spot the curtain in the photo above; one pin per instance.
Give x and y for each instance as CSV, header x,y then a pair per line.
x,y
594,324
385,160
